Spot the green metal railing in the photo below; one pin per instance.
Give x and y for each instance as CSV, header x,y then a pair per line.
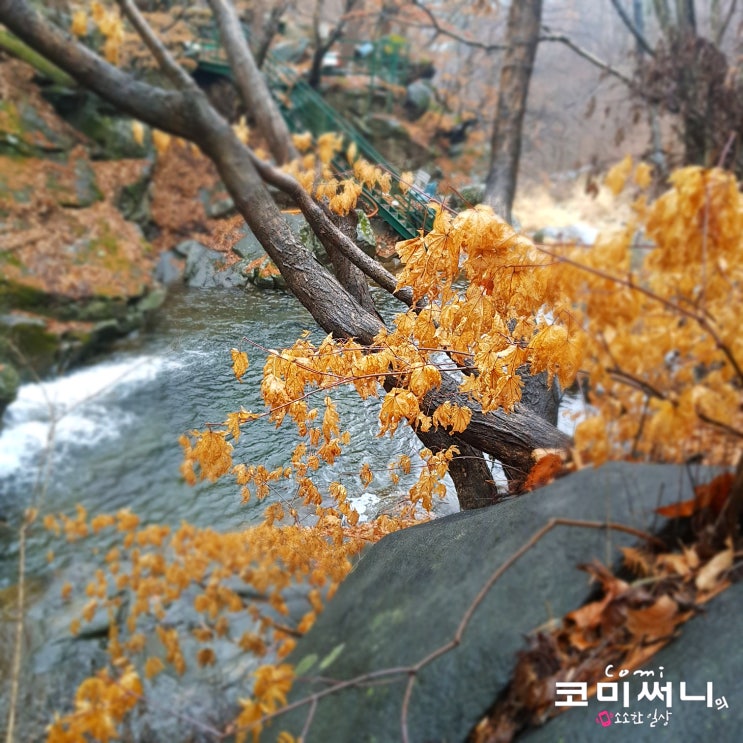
x,y
304,109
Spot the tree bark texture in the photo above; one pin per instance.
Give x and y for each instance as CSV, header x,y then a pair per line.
x,y
251,84
524,20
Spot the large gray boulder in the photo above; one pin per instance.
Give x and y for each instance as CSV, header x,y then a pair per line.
x,y
407,596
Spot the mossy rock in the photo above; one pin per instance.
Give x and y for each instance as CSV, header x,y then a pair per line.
x,y
21,296
31,342
83,264
365,236
10,380
468,196
113,136
25,133
133,200
28,125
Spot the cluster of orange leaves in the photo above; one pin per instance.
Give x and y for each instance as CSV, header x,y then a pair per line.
x,y
101,703
315,170
665,353
157,567
107,21
654,328
100,23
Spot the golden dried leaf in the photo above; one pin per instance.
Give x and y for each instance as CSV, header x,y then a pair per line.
x,y
636,560
153,665
643,174
161,140
79,26
303,141
617,176
138,132
710,574
366,475
239,363
544,472
206,657
656,621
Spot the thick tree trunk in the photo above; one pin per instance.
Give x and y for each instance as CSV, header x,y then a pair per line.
x,y
524,19
351,277
468,470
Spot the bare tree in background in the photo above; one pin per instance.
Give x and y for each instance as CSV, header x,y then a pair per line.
x,y
323,42
522,37
683,74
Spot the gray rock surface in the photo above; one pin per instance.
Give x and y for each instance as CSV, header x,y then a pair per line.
x,y
207,268
170,268
407,595
418,97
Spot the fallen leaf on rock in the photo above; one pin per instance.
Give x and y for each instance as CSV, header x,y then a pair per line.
x,y
656,621
636,560
708,578
544,471
712,495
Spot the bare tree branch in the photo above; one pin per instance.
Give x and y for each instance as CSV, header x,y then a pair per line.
x,y
641,40
178,76
721,26
663,14
251,84
321,48
270,29
686,16
446,31
549,35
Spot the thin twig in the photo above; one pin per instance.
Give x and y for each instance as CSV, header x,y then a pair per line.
x,y
726,149
549,35
15,673
178,76
445,31
308,722
724,25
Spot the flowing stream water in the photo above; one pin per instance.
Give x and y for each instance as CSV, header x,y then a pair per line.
x,y
114,443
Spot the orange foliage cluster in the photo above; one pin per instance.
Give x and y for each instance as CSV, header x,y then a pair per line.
x,y
101,703
159,567
655,329
101,24
316,173
665,353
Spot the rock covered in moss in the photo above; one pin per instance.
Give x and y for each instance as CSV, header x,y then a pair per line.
x,y
9,383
